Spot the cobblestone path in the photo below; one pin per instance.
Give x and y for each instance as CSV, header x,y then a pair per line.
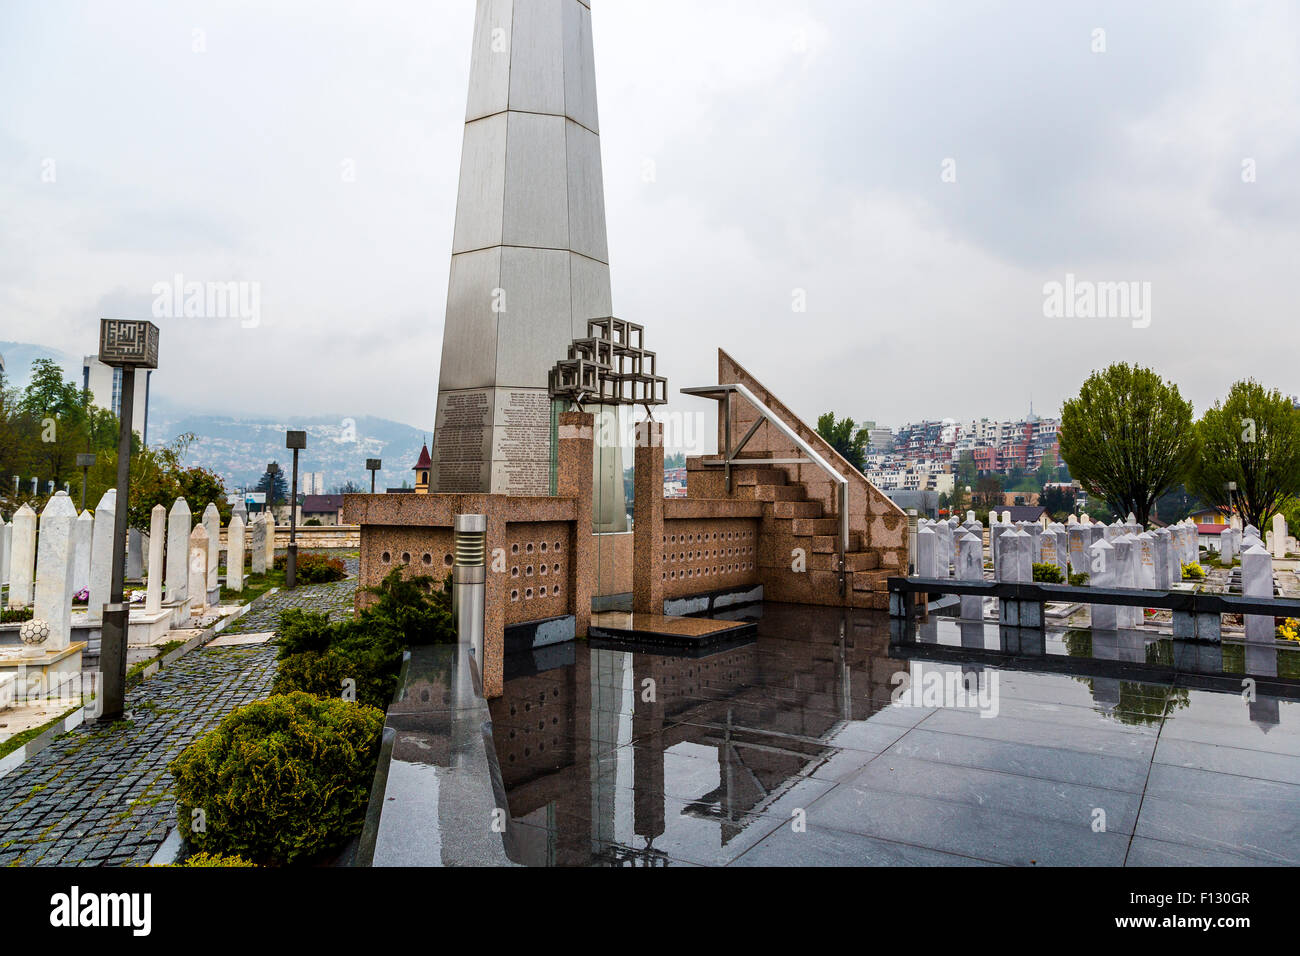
x,y
335,599
102,796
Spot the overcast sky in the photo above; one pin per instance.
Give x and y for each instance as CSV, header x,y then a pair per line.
x,y
797,145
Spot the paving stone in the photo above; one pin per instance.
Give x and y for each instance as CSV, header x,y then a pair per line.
x,y
103,795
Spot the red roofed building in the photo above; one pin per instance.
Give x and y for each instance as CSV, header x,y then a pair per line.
x,y
422,469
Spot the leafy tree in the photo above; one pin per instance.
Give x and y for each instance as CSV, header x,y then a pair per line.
x,y
958,501
275,486
1059,502
1251,438
199,486
1176,504
966,471
846,438
1128,437
988,491
350,487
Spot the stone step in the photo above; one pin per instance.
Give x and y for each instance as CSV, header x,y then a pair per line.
x,y
871,581
743,476
779,493
797,509
862,561
815,526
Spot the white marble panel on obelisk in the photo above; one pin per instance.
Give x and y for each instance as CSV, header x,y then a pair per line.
x,y
530,264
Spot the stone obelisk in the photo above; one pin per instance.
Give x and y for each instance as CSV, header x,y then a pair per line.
x,y
530,264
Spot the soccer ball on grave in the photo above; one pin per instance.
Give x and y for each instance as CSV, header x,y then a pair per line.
x,y
34,632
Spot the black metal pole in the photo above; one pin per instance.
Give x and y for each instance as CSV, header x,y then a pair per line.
x,y
85,474
112,654
372,485
291,559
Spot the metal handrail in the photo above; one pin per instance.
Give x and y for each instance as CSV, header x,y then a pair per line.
x,y
723,393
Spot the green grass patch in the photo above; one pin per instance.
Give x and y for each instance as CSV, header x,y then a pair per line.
x,y
17,740
254,587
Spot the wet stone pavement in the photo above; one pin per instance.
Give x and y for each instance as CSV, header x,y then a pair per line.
x,y
335,599
102,796
790,751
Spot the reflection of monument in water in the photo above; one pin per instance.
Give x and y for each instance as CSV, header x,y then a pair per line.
x,y
530,264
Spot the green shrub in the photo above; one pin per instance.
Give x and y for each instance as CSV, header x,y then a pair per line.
x,y
312,523
1193,572
216,859
314,568
317,655
16,615
1048,574
304,631
372,661
1079,580
280,781
419,608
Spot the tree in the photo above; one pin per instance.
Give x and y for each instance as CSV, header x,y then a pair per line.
x,y
350,487
1252,438
1176,504
1059,502
958,502
988,491
275,486
846,438
1128,438
966,471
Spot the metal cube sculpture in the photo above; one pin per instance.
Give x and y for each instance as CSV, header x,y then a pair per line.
x,y
610,367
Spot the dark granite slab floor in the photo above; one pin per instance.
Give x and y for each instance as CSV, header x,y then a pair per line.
x,y
788,751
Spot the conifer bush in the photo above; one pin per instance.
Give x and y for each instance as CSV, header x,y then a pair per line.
x,y
279,781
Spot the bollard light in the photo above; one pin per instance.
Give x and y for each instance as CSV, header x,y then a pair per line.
x,y
469,582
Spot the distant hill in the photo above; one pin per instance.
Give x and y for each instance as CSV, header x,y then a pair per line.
x,y
19,357
238,449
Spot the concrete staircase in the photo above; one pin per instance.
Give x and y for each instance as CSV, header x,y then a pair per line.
x,y
791,524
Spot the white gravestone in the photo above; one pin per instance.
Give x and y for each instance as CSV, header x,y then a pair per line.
x,y
235,554
53,601
970,567
157,539
1102,575
1279,536
83,534
212,525
1257,581
136,546
22,556
101,556
198,567
178,553
257,545
269,518
6,542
